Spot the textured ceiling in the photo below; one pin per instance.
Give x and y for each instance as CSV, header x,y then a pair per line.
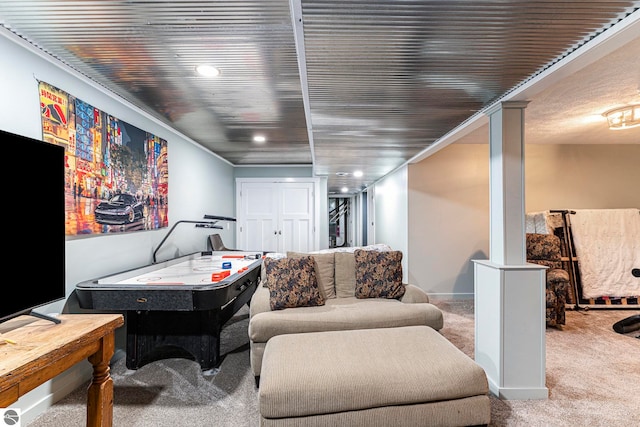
x,y
340,85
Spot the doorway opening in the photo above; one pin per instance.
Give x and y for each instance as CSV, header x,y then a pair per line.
x,y
339,219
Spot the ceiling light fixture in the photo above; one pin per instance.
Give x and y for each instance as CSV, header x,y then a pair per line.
x,y
623,118
357,174
259,138
207,70
344,189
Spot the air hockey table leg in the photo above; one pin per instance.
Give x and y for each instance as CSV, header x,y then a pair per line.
x,y
156,335
195,335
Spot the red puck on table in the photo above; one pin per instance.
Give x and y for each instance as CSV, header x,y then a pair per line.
x,y
219,275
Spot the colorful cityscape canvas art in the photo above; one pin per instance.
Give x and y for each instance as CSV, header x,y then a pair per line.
x,y
116,174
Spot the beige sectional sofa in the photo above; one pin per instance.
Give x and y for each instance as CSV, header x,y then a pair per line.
x,y
341,310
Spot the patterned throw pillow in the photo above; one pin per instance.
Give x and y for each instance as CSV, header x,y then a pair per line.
x,y
263,272
292,282
324,265
379,274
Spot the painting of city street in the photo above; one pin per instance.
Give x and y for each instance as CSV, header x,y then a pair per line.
x,y
116,175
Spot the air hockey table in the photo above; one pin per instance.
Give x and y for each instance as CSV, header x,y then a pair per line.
x,y
176,308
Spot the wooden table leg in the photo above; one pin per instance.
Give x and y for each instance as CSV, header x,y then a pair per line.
x,y
100,392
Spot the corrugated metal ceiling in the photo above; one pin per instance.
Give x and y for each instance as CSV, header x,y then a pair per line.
x,y
380,81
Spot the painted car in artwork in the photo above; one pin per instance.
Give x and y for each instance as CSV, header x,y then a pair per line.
x,y
120,209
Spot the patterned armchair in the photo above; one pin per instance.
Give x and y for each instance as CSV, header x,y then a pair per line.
x,y
544,249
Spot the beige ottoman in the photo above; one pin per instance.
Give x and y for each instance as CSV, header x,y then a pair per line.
x,y
408,376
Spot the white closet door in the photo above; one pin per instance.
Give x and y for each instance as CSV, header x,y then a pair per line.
x,y
276,216
257,220
296,217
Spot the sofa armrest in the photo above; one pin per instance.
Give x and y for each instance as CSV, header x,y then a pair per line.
x,y
259,301
413,294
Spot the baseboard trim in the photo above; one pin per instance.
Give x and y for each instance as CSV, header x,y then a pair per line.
x,y
528,393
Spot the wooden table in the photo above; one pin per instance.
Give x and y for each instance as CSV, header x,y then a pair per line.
x,y
39,350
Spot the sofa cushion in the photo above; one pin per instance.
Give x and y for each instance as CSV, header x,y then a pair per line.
x,y
378,274
345,274
324,265
292,282
339,314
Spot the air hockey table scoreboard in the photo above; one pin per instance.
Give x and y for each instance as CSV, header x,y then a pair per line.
x,y
176,308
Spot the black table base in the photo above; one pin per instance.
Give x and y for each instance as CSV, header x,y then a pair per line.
x,y
195,335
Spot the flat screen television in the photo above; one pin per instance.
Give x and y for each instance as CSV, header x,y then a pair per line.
x,y
34,243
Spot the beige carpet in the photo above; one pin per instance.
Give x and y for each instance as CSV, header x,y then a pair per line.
x,y
593,373
593,376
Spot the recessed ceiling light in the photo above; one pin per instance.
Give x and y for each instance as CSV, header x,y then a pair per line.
x,y
207,70
344,189
342,173
259,138
357,174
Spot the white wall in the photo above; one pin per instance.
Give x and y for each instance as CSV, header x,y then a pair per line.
x,y
391,208
199,183
449,202
273,172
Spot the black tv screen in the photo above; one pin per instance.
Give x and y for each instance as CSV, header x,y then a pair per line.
x,y
34,198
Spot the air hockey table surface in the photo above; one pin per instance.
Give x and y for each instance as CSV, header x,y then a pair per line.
x,y
198,270
200,281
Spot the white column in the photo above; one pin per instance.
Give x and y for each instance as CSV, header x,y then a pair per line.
x,y
506,193
509,292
